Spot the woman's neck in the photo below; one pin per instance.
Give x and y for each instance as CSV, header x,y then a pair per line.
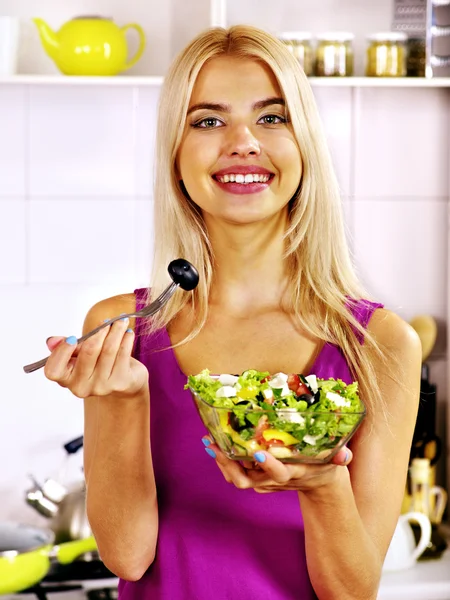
x,y
249,269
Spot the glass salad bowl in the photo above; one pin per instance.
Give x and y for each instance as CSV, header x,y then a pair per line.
x,y
297,419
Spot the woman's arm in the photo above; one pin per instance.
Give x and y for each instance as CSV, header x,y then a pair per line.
x,y
350,513
349,522
121,494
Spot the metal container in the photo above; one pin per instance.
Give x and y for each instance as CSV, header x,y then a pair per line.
x,y
441,12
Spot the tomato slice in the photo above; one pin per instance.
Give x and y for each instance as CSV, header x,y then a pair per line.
x,y
302,389
293,381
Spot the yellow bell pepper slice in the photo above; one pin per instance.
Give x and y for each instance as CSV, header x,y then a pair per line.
x,y
277,434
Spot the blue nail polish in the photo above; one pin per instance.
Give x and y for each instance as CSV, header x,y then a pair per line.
x,y
206,442
106,320
347,456
72,340
211,452
259,456
129,331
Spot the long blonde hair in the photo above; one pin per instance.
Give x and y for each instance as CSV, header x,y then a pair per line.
x,y
321,274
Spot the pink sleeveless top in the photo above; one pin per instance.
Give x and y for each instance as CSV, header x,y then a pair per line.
x,y
216,542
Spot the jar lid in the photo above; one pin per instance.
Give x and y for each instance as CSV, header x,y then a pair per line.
x,y
335,36
388,36
295,35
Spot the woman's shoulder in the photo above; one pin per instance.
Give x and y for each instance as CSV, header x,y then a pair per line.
x,y
393,332
108,308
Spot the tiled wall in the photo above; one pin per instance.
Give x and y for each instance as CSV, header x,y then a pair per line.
x,y
76,226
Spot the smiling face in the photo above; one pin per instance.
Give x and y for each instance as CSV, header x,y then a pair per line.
x,y
239,160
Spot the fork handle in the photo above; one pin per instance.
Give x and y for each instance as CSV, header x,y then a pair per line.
x,y
35,366
41,363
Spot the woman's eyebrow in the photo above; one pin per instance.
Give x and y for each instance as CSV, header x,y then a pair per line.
x,y
226,108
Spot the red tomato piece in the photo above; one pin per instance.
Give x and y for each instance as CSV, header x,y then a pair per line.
x,y
293,381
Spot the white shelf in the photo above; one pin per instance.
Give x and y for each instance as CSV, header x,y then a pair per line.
x,y
121,80
72,80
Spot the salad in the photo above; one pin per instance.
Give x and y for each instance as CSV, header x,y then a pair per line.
x,y
289,415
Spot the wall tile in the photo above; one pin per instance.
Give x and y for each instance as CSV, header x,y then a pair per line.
x,y
401,249
81,141
402,142
13,241
146,121
82,241
335,107
144,241
13,126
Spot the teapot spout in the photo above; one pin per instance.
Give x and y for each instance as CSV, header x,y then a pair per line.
x,y
49,38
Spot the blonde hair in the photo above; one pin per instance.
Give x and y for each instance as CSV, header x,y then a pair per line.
x,y
321,274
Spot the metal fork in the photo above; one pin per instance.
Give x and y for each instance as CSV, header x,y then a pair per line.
x,y
183,275
148,311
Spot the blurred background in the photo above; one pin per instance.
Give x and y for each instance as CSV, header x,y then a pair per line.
x,y
76,176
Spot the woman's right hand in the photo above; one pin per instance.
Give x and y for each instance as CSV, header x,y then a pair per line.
x,y
100,366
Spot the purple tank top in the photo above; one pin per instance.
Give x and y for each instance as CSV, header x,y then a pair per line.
x,y
216,541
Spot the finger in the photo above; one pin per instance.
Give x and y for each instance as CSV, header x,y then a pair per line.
x,y
88,354
110,348
54,341
276,470
231,469
59,366
343,457
122,363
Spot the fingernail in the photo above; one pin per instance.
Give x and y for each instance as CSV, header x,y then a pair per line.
x,y
49,338
129,331
206,441
124,318
259,456
72,340
347,456
106,320
211,452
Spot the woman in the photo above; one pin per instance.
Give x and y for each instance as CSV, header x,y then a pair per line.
x,y
245,191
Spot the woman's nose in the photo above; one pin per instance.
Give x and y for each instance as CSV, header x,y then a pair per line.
x,y
242,142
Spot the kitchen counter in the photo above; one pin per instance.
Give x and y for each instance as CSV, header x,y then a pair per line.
x,y
428,580
425,581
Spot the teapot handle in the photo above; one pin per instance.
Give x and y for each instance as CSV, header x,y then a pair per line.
x,y
141,48
425,531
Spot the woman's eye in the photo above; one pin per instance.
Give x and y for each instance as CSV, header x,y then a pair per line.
x,y
208,123
272,120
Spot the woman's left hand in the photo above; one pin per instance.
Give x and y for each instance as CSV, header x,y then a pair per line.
x,y
267,474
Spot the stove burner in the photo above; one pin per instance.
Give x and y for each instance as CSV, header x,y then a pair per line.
x,y
79,570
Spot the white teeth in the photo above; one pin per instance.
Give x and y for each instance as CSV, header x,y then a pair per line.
x,y
240,178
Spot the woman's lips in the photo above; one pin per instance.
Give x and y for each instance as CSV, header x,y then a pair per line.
x,y
244,188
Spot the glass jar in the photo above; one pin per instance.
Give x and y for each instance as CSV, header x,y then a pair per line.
x,y
416,60
334,55
386,54
299,44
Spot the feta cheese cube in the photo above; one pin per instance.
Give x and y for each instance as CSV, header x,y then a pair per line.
x,y
337,399
226,391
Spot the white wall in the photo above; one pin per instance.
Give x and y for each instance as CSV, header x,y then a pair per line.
x,y
75,177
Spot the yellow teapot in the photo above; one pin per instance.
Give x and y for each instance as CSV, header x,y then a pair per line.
x,y
89,46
